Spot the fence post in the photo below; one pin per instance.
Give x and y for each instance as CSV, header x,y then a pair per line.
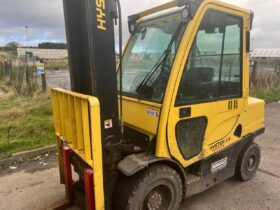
x,y
24,76
5,68
11,71
1,69
27,73
254,74
44,82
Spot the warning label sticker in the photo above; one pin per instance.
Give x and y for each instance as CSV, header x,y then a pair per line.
x,y
219,165
108,124
152,112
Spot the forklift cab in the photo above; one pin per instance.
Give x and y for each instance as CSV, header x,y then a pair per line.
x,y
185,79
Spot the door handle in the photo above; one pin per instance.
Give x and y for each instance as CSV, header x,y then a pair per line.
x,y
185,112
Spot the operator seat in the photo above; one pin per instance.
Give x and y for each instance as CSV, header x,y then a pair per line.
x,y
199,81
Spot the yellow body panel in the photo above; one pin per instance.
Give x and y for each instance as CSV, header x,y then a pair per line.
x,y
254,115
77,124
170,112
221,122
136,115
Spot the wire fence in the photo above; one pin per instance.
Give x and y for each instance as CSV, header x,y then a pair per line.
x,y
20,74
260,79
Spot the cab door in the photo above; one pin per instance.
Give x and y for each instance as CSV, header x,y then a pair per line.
x,y
208,101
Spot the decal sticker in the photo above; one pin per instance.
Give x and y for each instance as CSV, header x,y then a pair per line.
x,y
108,124
219,165
218,144
101,14
233,104
152,112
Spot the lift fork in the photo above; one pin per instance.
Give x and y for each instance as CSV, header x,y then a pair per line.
x,y
69,183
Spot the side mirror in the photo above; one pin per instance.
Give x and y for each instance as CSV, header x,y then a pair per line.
x,y
248,40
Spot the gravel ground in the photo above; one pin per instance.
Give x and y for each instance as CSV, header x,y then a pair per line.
x,y
57,78
35,184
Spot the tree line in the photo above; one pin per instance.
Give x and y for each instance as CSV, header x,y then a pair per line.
x,y
52,45
44,45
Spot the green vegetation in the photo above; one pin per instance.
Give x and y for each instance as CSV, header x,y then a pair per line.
x,y
57,64
269,95
25,123
4,55
7,54
52,45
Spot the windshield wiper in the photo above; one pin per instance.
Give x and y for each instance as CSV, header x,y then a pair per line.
x,y
142,87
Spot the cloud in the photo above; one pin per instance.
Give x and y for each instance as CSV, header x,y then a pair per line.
x,y
266,30
44,18
46,22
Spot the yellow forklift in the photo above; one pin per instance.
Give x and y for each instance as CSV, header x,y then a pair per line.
x,y
175,118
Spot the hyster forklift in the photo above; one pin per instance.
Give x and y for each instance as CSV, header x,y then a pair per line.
x,y
173,119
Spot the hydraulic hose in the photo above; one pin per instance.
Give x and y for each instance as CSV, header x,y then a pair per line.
x,y
120,66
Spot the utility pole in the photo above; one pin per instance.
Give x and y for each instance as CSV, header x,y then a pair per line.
x,y
26,75
26,35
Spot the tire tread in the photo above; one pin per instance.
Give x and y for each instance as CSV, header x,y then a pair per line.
x,y
128,186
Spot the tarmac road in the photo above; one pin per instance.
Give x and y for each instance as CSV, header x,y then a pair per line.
x,y
35,184
56,78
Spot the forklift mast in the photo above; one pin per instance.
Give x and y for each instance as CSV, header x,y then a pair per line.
x,y
92,60
91,47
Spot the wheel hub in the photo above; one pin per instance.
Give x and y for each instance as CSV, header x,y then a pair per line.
x,y
251,163
154,201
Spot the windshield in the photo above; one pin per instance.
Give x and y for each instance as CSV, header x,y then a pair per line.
x,y
149,56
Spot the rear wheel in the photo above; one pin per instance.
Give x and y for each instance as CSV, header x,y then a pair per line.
x,y
157,188
248,162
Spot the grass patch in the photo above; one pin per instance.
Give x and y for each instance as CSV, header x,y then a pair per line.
x,y
269,95
57,64
25,123
7,54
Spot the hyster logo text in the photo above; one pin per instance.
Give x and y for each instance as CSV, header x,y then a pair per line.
x,y
100,14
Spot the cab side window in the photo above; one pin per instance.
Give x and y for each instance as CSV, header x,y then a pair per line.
x,y
213,68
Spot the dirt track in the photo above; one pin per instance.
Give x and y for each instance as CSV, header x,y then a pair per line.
x,y
35,184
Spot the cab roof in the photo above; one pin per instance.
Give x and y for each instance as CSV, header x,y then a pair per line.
x,y
170,7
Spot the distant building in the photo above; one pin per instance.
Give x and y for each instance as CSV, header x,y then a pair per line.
x,y
43,53
268,60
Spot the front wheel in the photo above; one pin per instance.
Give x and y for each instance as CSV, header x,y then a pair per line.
x,y
159,187
248,162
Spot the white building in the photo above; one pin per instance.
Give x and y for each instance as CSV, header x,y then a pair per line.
x,y
43,53
268,59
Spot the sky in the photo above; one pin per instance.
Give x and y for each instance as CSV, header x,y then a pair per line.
x,y
45,20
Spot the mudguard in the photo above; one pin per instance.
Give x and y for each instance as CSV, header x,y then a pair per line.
x,y
134,163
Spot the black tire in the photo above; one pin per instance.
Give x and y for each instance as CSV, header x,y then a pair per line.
x,y
248,162
158,187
